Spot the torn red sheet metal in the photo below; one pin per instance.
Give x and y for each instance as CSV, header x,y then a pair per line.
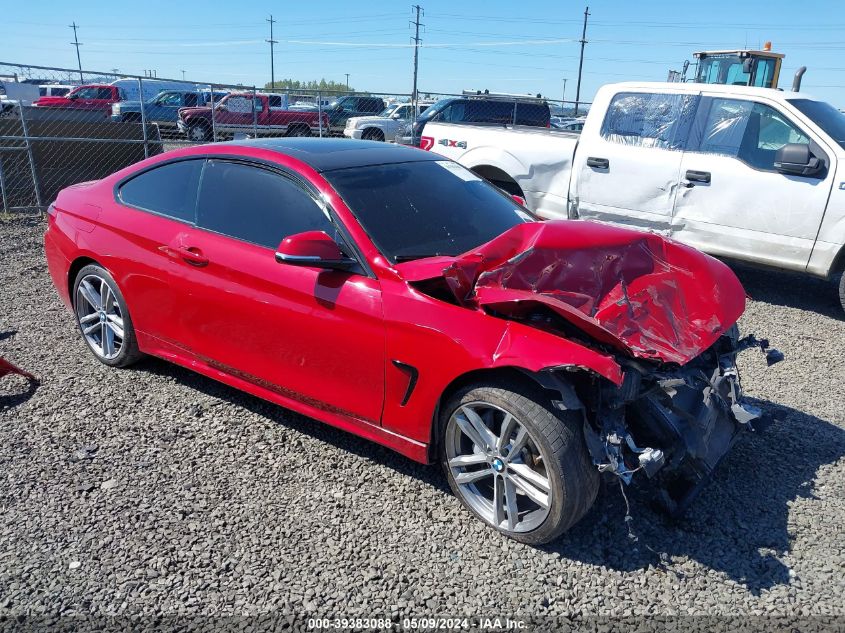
x,y
7,368
639,292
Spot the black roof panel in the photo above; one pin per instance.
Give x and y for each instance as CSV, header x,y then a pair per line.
x,y
326,154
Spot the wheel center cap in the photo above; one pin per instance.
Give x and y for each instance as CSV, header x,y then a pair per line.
x,y
498,465
102,317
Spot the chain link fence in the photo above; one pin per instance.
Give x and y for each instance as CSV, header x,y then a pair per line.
x,y
61,126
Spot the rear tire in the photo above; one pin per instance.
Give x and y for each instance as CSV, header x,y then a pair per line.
x,y
298,131
532,488
103,318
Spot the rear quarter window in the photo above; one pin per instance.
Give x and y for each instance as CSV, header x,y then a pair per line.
x,y
169,190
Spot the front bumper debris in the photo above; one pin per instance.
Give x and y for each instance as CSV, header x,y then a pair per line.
x,y
674,424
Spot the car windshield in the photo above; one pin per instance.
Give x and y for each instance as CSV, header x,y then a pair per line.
x,y
388,110
425,208
825,116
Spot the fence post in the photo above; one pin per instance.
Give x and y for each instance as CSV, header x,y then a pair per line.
x,y
320,111
143,117
255,114
31,160
3,187
213,129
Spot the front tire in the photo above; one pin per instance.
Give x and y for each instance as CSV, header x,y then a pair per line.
x,y
842,290
199,132
515,462
373,134
103,318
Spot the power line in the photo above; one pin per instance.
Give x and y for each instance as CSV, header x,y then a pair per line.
x,y
272,56
76,43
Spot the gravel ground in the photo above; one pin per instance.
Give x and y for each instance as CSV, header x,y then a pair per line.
x,y
155,490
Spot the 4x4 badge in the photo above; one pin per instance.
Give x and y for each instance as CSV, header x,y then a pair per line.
x,y
449,143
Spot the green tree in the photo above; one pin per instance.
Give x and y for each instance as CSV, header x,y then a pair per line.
x,y
295,84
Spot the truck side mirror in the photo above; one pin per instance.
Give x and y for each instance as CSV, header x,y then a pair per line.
x,y
796,159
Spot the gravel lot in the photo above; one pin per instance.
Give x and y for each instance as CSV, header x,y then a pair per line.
x,y
196,499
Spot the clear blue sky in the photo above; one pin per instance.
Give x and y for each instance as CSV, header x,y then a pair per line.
x,y
529,46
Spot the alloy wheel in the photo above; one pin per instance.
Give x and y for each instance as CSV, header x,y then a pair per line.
x,y
99,316
499,469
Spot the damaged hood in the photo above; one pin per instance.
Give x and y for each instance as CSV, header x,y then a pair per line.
x,y
638,292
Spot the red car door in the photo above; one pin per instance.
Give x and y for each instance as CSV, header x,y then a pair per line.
x,y
313,335
143,231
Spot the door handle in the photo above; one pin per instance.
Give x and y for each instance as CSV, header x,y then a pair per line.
x,y
598,163
693,177
192,255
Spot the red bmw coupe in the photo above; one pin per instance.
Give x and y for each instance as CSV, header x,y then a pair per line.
x,y
394,294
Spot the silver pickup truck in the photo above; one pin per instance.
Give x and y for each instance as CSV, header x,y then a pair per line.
x,y
745,173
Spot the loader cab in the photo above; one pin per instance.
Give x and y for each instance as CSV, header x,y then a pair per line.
x,y
739,67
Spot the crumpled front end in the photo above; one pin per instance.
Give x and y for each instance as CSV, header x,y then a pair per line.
x,y
665,312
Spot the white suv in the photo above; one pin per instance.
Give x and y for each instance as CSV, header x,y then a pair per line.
x,y
385,125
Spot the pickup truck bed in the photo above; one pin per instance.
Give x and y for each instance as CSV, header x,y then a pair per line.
x,y
536,163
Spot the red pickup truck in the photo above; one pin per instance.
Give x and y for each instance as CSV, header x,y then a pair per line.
x,y
88,97
260,114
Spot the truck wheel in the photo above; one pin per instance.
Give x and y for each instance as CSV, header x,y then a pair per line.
x,y
373,134
515,462
199,132
842,290
298,130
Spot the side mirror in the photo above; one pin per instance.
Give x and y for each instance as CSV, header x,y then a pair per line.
x,y
313,248
796,159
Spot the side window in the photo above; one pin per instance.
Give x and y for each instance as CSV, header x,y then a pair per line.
x,y
649,119
455,113
190,99
42,91
533,114
86,93
104,93
256,205
275,101
746,130
170,190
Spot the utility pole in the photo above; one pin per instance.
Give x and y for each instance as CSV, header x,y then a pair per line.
x,y
417,41
272,43
581,62
76,43
347,81
563,97
183,75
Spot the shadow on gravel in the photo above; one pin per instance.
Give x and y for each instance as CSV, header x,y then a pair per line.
x,y
739,524
15,390
790,289
303,424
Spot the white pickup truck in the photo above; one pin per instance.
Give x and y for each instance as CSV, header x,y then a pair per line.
x,y
746,173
